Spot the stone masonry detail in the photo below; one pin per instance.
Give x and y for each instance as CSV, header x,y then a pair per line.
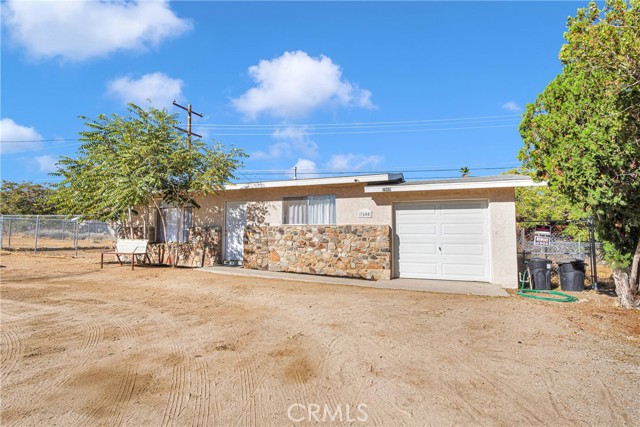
x,y
203,248
359,251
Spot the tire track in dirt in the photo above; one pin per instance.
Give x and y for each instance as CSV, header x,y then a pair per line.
x,y
11,308
50,383
11,348
366,382
324,373
94,335
178,397
190,388
499,387
115,403
202,396
178,394
246,373
125,392
548,379
254,386
618,417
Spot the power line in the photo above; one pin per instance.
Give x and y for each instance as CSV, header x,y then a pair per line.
x,y
39,140
307,129
377,131
310,126
325,172
399,122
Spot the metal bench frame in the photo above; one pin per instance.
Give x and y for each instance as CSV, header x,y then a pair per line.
x,y
129,247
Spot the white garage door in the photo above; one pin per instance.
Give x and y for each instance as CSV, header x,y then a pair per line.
x,y
442,240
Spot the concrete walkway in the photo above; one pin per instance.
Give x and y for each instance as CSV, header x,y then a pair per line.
x,y
441,286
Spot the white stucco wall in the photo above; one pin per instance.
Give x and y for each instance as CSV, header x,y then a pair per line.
x,y
264,206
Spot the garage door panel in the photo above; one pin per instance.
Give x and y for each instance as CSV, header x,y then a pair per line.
x,y
423,268
463,271
443,240
468,249
466,229
420,249
420,208
417,229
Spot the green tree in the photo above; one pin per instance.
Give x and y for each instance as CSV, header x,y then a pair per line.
x,y
26,198
464,171
582,134
137,160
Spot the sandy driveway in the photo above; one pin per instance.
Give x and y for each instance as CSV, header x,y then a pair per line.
x,y
160,346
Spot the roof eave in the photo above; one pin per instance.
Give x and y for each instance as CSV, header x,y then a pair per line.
x,y
452,186
378,179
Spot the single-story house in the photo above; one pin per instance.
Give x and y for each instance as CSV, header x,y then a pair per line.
x,y
375,226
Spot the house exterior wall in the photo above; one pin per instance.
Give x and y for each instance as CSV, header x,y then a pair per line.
x,y
361,251
264,208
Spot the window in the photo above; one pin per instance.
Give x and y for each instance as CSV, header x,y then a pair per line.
x,y
172,218
310,210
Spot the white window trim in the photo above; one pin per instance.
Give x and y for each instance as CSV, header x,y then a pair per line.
x,y
306,199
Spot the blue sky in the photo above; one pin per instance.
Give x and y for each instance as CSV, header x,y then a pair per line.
x,y
331,87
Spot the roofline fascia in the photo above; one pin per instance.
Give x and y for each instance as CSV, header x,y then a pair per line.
x,y
452,186
390,178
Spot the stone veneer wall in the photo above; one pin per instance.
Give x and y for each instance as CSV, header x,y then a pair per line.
x,y
361,251
203,248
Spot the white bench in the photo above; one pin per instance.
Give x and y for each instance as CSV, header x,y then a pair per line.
x,y
130,247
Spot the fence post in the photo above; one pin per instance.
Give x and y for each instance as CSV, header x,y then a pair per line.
x,y
75,237
9,236
594,258
524,253
35,242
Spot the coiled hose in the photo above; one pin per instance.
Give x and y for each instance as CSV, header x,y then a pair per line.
x,y
554,296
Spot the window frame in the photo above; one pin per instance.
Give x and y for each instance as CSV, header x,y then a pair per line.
x,y
182,217
306,214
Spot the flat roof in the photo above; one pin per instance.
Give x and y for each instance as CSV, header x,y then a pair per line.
x,y
466,183
388,178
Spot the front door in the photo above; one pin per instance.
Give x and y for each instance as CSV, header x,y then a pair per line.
x,y
235,221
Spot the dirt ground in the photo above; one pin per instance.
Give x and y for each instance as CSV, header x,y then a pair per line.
x,y
160,346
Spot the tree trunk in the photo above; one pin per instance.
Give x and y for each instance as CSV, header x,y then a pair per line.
x,y
635,269
164,227
145,231
626,291
176,249
131,224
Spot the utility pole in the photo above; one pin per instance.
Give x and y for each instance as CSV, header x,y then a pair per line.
x,y
188,130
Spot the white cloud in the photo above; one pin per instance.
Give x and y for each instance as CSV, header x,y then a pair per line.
x,y
80,30
353,162
292,141
46,164
294,84
158,87
512,106
10,131
306,169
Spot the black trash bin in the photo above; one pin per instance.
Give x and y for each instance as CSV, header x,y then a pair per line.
x,y
540,270
572,275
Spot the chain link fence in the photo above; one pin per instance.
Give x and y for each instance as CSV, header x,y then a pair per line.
x,y
559,241
53,232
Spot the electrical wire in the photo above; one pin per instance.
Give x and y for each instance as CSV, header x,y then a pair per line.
x,y
378,123
377,131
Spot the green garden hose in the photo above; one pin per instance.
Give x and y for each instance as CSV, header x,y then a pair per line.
x,y
535,293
